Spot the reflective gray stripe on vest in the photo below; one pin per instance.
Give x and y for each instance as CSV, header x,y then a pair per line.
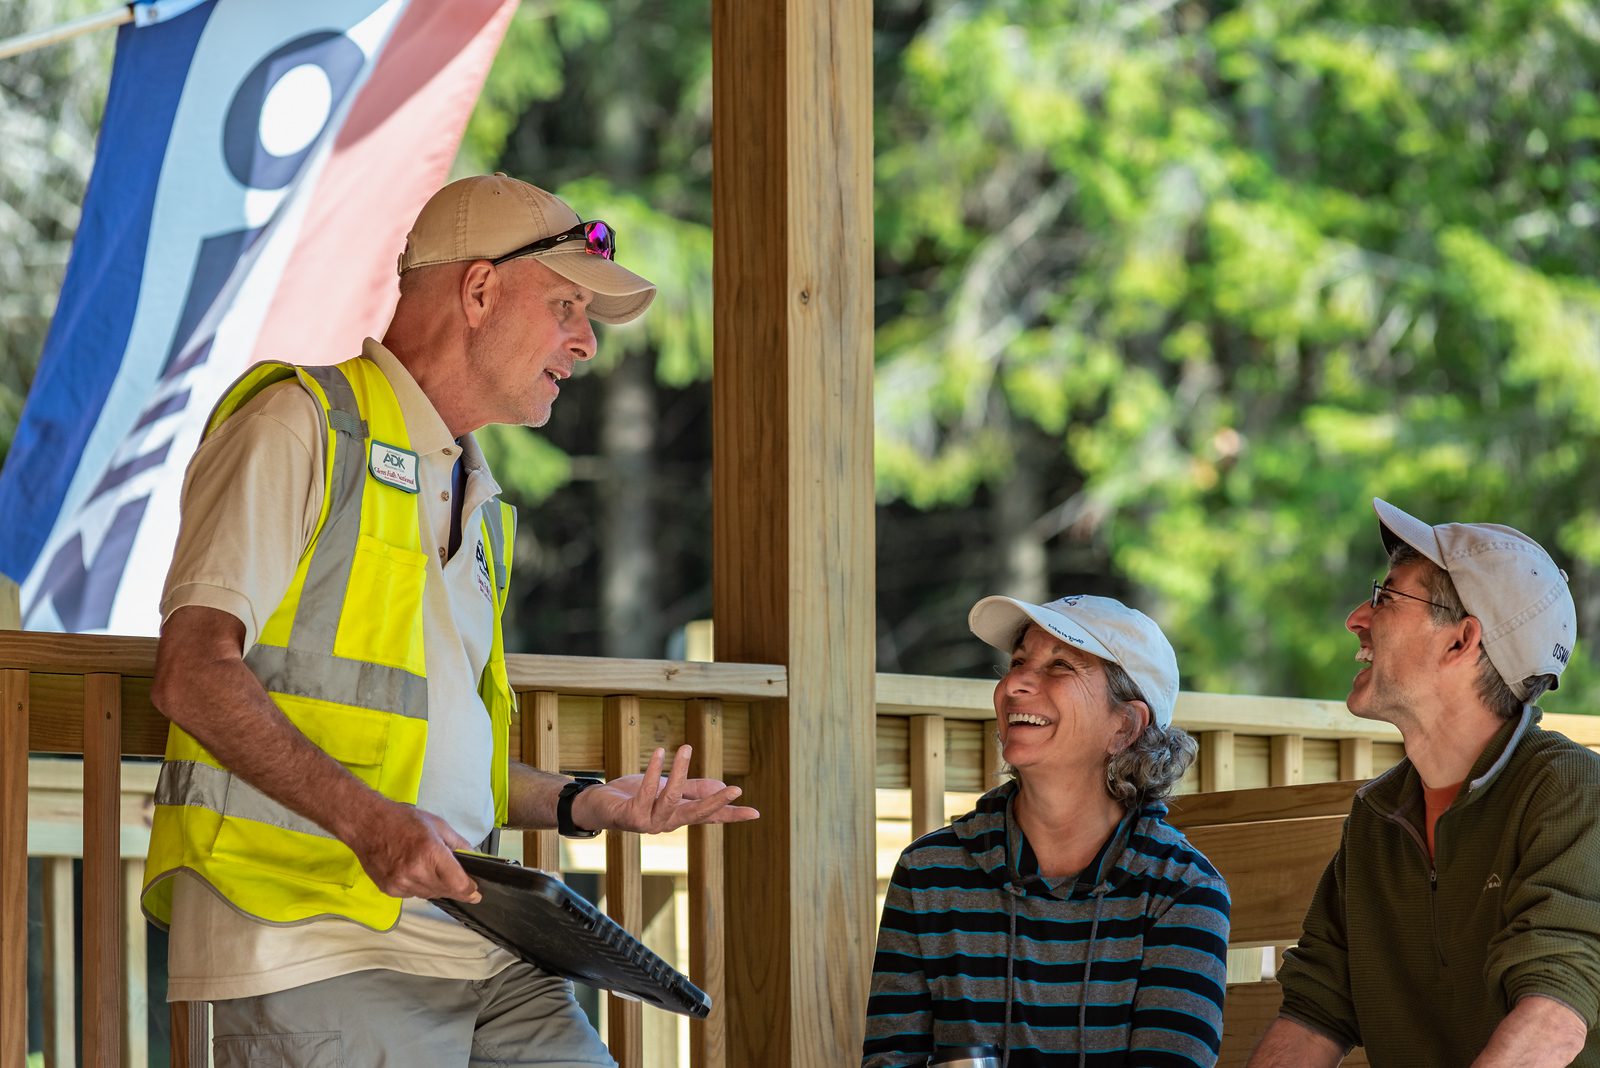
x,y
494,522
316,619
188,782
343,681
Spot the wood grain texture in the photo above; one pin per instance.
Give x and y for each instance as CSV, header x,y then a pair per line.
x,y
708,1038
60,973
102,870
1216,761
14,715
1355,758
10,605
645,678
1287,760
624,888
1247,806
792,499
135,963
927,774
1272,870
541,748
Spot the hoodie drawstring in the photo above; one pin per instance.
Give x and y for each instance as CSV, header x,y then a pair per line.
x,y
1088,963
1013,891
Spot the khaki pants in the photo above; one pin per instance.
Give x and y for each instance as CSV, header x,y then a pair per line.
x,y
383,1019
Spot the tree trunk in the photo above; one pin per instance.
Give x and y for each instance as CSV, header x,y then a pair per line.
x,y
630,612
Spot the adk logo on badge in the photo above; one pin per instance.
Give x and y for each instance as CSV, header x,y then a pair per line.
x,y
394,466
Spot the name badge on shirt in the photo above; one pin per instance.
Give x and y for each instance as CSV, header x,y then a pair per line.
x,y
394,466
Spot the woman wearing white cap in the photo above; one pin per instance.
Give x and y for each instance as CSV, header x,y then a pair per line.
x,y
1063,916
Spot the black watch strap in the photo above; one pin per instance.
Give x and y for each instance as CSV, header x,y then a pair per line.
x,y
564,822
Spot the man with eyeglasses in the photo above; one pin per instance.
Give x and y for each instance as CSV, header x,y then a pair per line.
x,y
332,663
1459,922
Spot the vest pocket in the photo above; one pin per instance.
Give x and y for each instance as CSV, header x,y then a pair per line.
x,y
259,832
382,619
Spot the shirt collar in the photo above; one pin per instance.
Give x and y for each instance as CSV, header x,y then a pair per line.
x,y
424,426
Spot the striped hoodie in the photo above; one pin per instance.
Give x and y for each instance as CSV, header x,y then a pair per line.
x,y
1124,964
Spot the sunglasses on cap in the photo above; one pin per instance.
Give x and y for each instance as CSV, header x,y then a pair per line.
x,y
598,238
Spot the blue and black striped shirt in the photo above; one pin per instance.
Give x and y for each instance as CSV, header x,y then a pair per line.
x,y
1138,941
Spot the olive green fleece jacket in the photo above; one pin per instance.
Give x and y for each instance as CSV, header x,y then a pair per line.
x,y
1418,960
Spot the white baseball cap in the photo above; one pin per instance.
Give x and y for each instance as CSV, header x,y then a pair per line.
x,y
1507,581
1100,626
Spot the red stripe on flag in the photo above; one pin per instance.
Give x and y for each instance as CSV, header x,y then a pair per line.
x,y
393,152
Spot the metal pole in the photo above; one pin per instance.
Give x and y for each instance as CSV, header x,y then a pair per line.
x,y
28,42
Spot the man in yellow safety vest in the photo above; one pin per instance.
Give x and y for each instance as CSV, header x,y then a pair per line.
x,y
332,663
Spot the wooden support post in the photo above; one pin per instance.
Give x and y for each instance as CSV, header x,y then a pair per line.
x,y
793,509
927,774
792,498
1355,758
624,890
541,748
1286,760
1216,761
13,867
102,869
60,975
708,1038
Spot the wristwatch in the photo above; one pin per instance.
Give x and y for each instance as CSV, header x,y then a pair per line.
x,y
570,791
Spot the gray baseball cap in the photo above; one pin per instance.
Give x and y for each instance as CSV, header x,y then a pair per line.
x,y
1101,626
1507,581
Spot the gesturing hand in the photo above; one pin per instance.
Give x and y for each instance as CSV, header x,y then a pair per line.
x,y
407,852
650,804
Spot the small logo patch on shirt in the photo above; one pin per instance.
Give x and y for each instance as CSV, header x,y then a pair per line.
x,y
394,466
483,574
1493,883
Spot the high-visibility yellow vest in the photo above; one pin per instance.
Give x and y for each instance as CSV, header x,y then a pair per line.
x,y
343,657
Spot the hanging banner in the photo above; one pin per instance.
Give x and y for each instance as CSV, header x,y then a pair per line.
x,y
257,170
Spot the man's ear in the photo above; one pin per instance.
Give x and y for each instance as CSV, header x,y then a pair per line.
x,y
1466,642
480,288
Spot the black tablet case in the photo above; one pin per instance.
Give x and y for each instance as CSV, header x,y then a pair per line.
x,y
538,918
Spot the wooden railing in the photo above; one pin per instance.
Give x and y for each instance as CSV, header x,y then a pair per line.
x,y
89,696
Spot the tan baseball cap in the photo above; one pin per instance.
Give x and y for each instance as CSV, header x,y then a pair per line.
x,y
490,215
1507,581
1100,626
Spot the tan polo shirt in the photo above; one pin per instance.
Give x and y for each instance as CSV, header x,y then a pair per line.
x,y
249,506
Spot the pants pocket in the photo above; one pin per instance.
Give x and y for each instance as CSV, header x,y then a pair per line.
x,y
309,1049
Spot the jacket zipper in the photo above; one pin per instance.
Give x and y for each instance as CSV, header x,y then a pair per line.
x,y
1433,883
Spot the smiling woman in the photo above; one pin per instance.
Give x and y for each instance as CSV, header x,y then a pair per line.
x,y
1063,915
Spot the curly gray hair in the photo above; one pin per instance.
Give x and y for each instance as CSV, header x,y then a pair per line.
x,y
1151,765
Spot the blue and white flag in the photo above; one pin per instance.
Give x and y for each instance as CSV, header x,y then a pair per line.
x,y
258,167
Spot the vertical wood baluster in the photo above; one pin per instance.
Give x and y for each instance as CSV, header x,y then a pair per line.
x,y
13,867
927,774
541,748
708,1038
624,885
102,870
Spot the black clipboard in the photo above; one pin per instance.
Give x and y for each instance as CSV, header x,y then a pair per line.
x,y
538,918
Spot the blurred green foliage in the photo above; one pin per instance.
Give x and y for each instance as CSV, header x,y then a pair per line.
x,y
1247,265
1213,274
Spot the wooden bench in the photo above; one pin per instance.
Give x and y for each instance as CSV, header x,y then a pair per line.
x,y
1272,846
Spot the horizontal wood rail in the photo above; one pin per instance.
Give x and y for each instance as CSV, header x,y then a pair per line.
x,y
89,697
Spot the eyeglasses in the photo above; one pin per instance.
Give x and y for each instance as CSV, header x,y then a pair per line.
x,y
1379,589
598,238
